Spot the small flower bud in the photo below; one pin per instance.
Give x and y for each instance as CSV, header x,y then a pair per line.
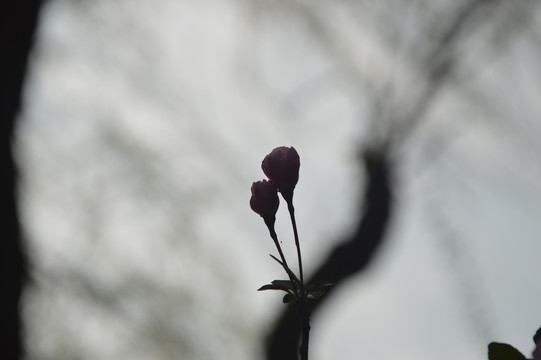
x,y
282,168
264,200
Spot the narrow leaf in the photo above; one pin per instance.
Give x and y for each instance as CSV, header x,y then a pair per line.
x,y
316,292
269,287
284,284
318,284
288,270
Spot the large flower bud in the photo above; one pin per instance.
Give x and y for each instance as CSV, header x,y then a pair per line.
x,y
282,168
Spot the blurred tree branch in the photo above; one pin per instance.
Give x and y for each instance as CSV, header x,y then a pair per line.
x,y
18,23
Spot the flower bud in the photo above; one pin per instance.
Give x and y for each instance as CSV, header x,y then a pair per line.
x,y
282,168
264,200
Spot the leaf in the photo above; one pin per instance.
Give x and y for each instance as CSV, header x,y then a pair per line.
x,y
289,298
324,284
288,270
284,285
269,287
501,351
316,292
317,289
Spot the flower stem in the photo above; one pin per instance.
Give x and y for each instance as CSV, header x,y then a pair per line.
x,y
275,239
304,318
295,233
302,301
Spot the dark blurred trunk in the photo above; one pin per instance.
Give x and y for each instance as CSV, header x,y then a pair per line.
x,y
348,258
18,24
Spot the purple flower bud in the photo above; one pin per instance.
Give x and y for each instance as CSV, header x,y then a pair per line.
x,y
264,200
282,168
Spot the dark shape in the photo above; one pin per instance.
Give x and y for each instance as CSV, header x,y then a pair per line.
x,y
18,22
348,258
501,351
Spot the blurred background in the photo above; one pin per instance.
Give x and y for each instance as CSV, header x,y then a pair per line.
x,y
144,124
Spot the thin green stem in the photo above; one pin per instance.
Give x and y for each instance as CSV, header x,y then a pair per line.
x,y
276,242
295,233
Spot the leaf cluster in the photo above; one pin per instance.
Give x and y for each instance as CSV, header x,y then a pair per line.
x,y
294,288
